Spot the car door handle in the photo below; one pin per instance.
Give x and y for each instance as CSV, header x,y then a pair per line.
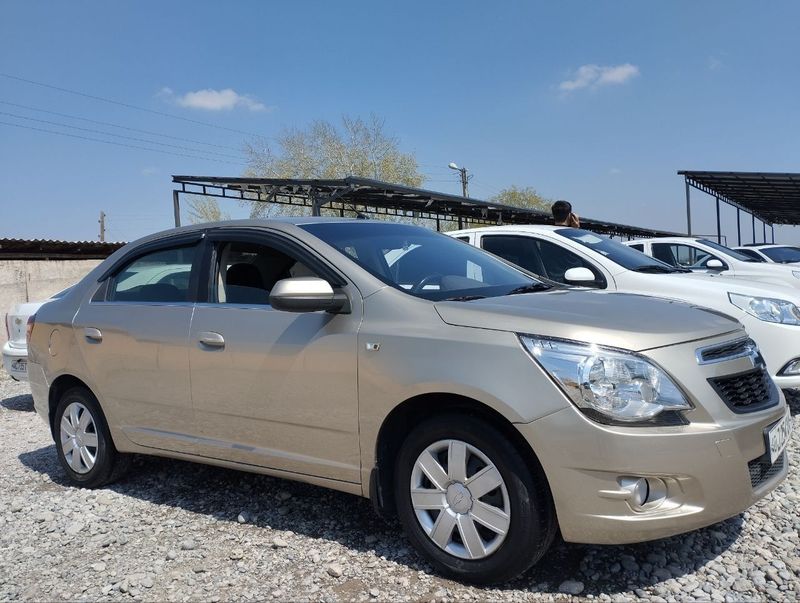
x,y
211,339
93,334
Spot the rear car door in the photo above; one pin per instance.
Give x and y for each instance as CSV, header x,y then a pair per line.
x,y
270,388
134,334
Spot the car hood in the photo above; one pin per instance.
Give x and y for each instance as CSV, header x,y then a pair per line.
x,y
623,320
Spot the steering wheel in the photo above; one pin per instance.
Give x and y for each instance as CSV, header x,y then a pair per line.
x,y
426,280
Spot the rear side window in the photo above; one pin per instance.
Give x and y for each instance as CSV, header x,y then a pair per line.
x,y
638,247
159,276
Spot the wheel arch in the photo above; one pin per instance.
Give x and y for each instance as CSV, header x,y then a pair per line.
x,y
61,384
399,422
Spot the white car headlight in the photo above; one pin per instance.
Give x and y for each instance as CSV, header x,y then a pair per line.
x,y
609,386
796,273
767,308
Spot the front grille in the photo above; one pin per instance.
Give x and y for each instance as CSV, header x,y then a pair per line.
x,y
761,471
746,392
727,351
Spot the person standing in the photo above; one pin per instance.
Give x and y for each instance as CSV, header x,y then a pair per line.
x,y
563,214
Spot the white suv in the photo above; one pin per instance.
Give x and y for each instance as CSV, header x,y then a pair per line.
x,y
770,313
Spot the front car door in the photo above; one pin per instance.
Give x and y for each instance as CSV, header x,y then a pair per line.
x,y
270,388
133,336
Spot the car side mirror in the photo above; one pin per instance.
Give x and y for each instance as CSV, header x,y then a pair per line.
x,y
714,264
579,275
307,294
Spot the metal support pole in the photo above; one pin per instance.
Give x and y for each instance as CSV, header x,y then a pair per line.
x,y
460,222
772,226
764,234
739,226
719,230
176,208
438,226
688,208
754,227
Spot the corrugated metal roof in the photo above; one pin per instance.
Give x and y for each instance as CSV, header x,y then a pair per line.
x,y
48,249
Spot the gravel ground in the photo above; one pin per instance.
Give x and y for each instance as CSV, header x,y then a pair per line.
x,y
175,531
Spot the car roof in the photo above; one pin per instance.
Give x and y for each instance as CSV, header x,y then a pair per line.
x,y
767,246
508,228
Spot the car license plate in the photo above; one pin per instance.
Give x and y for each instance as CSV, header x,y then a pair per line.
x,y
778,436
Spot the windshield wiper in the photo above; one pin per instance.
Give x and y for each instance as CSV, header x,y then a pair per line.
x,y
465,298
530,288
655,269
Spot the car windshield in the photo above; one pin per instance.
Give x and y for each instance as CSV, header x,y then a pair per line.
x,y
424,263
782,255
736,255
617,252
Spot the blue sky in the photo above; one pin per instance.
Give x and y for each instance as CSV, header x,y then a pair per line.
x,y
596,102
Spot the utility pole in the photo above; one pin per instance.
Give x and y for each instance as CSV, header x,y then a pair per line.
x,y
464,185
102,222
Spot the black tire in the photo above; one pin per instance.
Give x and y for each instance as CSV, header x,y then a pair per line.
x,y
109,464
532,524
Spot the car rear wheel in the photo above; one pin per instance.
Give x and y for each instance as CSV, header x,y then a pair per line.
x,y
83,441
470,503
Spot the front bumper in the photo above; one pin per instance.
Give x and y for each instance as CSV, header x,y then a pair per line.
x,y
703,466
15,361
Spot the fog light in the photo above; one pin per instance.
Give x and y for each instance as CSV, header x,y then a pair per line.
x,y
792,368
638,489
644,493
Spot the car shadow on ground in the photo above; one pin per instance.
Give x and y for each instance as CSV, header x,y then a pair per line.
x,y
23,403
349,520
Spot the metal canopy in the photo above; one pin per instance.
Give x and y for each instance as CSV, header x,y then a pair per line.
x,y
771,197
367,196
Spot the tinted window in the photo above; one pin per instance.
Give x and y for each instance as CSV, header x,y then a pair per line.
x,y
518,250
637,247
615,251
782,255
159,276
245,273
420,262
539,256
685,256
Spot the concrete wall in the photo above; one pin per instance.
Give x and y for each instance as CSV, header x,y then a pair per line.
x,y
35,280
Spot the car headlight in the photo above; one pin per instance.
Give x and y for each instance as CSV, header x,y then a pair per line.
x,y
796,273
609,386
767,308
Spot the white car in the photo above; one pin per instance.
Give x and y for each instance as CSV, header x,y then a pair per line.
x,y
770,313
702,255
772,254
15,350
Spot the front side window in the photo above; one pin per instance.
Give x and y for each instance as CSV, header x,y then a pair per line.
x,y
245,273
422,263
684,256
159,276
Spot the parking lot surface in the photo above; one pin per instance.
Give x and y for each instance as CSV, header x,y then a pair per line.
x,y
176,531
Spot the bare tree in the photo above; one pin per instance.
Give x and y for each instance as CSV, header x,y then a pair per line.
x,y
323,150
522,197
206,209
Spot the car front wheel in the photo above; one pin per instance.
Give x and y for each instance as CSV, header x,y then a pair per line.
x,y
469,502
83,441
